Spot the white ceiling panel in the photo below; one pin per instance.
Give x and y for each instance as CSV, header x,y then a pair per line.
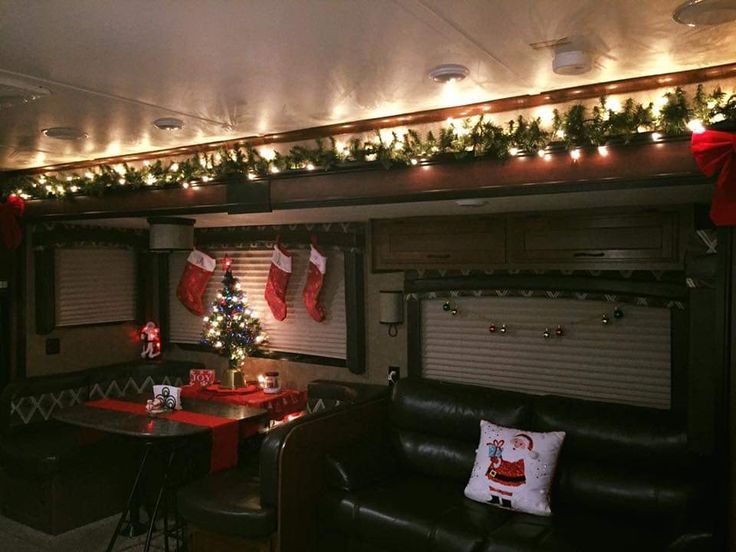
x,y
233,68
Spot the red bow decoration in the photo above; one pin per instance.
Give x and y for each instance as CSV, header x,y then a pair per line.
x,y
10,231
714,152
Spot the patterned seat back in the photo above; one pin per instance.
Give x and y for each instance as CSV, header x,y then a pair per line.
x,y
35,400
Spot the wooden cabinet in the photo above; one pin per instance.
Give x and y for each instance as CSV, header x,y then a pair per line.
x,y
438,242
647,239
589,239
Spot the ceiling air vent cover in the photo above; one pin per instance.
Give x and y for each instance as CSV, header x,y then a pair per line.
x,y
14,92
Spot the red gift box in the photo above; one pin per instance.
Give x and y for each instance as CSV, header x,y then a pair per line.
x,y
201,377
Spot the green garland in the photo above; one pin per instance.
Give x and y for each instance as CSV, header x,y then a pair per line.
x,y
578,127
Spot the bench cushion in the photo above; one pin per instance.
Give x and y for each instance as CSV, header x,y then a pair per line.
x,y
229,503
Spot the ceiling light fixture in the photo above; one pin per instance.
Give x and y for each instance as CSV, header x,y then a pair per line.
x,y
705,12
168,123
572,62
64,133
448,72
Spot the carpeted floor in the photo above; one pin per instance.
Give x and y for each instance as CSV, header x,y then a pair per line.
x,y
15,537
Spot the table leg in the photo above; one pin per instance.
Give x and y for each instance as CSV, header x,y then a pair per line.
x,y
132,503
161,492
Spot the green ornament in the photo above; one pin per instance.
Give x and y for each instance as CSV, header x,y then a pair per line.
x,y
446,306
618,314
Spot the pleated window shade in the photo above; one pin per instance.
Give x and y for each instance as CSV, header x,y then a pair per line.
x,y
298,333
95,286
626,361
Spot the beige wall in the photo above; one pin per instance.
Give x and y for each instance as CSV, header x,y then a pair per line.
x,y
89,346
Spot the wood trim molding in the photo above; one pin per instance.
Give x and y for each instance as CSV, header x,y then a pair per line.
x,y
623,86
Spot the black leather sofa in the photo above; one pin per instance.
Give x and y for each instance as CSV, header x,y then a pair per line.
x,y
389,474
625,480
55,477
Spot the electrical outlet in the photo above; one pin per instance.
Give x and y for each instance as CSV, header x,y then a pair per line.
x,y
53,346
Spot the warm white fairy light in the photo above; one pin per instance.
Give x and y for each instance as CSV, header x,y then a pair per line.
x,y
413,161
575,154
656,136
696,126
560,133
251,176
205,178
541,153
275,169
514,151
185,185
150,179
89,175
69,178
73,189
603,151
174,167
310,167
121,181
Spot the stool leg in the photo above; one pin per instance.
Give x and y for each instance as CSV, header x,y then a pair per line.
x,y
131,499
161,490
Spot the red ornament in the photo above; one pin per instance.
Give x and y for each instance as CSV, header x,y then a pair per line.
x,y
151,339
492,328
714,153
11,234
559,332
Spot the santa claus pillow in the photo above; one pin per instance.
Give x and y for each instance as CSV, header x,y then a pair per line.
x,y
514,468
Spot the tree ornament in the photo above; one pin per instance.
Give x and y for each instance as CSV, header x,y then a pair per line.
x,y
559,332
492,328
605,320
453,312
446,306
503,329
547,334
618,314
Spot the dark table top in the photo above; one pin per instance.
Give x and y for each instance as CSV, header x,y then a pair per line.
x,y
158,427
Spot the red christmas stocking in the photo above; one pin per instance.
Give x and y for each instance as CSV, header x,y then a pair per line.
x,y
315,279
197,273
278,280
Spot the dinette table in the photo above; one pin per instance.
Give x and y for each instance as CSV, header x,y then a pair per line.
x,y
127,417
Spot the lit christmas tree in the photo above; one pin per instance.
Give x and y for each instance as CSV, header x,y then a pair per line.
x,y
232,329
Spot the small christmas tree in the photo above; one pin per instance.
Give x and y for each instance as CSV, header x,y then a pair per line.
x,y
232,329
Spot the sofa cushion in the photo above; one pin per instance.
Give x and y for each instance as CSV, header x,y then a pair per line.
x,y
436,428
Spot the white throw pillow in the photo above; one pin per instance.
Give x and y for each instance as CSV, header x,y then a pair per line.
x,y
514,468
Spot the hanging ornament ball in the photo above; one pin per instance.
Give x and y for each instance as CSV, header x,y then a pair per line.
x,y
446,306
605,320
492,328
618,314
503,328
453,312
547,334
559,332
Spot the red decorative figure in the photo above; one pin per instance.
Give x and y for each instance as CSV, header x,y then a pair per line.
x,y
151,339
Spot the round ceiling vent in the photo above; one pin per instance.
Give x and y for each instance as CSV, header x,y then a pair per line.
x,y
705,12
572,62
449,72
168,123
64,133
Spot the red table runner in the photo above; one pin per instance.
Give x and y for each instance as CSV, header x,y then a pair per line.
x,y
225,431
278,405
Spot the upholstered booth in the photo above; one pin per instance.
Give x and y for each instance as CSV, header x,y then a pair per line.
x,y
232,510
388,475
55,477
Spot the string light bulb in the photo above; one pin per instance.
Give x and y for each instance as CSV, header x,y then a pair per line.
x,y
514,151
575,154
603,151
696,126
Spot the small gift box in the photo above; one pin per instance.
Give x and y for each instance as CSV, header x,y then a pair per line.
x,y
201,377
167,396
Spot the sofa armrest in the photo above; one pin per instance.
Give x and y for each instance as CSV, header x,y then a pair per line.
x,y
292,464
693,542
360,465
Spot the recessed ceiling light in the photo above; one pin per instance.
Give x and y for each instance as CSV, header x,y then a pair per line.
x,y
705,12
449,72
64,133
168,123
572,62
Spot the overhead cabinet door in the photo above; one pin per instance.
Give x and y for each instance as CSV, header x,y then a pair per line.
x,y
647,239
438,242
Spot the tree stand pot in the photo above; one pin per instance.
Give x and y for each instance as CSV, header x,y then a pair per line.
x,y
232,379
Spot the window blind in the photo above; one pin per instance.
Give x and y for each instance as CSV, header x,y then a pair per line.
x,y
298,333
94,286
626,361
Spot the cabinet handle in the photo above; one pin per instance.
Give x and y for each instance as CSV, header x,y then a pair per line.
x,y
589,254
438,256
